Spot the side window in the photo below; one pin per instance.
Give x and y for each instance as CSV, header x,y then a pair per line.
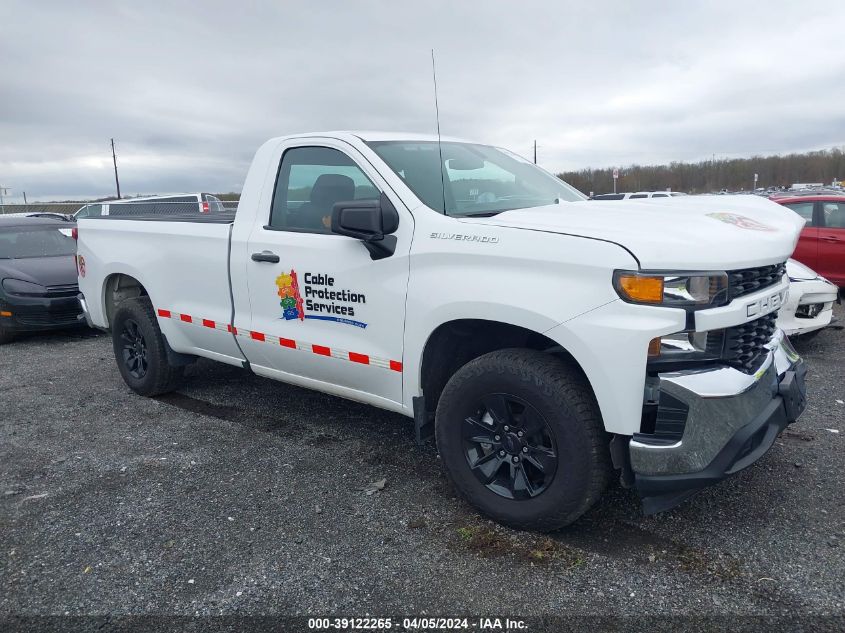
x,y
638,195
310,181
660,195
804,209
834,214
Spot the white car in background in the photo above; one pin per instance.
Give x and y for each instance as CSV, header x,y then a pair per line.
x,y
809,307
154,205
638,195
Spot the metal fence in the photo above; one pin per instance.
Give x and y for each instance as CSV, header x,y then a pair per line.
x,y
124,207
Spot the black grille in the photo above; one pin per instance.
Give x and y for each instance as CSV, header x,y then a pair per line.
x,y
68,290
748,280
39,315
745,345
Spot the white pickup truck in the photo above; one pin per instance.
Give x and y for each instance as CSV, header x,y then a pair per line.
x,y
546,339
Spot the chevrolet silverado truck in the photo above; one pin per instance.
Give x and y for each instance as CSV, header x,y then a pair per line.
x,y
547,341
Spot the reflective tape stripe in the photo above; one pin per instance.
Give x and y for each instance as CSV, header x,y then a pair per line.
x,y
302,346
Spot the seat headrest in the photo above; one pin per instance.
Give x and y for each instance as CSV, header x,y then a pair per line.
x,y
331,188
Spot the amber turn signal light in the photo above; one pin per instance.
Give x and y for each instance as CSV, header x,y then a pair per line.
x,y
654,347
641,289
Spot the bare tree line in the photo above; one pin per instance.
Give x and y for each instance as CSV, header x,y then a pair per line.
x,y
733,174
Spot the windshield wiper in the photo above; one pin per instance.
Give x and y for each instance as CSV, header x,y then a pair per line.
x,y
481,214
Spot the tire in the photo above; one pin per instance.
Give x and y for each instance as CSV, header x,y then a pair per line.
x,y
5,336
144,367
552,405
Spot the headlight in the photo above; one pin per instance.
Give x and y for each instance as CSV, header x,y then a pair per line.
x,y
21,287
686,346
677,290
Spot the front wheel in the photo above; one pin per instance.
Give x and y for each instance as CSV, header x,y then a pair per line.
x,y
5,336
521,438
141,351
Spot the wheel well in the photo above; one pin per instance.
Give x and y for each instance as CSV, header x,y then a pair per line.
x,y
454,344
119,288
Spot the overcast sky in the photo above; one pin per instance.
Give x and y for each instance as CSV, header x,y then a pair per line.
x,y
189,90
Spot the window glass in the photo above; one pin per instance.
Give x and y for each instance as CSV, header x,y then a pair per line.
x,y
638,195
214,203
834,214
471,179
609,196
310,181
804,209
42,241
660,195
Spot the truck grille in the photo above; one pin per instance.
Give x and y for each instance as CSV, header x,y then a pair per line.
x,y
744,346
748,280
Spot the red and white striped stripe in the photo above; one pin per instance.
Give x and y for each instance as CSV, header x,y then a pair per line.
x,y
320,350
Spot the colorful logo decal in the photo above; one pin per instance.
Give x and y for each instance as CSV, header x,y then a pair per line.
x,y
318,295
741,221
291,301
80,262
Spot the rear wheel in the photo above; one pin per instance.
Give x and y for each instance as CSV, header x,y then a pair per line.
x,y
140,349
522,439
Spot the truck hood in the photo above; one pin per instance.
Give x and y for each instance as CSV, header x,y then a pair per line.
x,y
680,233
57,270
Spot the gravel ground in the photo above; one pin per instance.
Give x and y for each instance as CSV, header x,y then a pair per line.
x,y
240,495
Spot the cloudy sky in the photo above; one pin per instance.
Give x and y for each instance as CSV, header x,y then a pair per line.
x,y
189,90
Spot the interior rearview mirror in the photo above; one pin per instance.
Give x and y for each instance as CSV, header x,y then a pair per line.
x,y
465,163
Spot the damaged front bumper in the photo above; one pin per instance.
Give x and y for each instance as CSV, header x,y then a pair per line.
x,y
731,420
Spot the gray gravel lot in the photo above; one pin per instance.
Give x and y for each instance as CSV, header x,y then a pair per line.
x,y
242,495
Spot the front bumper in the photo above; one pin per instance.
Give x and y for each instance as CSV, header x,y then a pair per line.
x,y
805,292
732,419
36,314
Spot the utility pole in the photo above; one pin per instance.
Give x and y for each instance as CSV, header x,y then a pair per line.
x,y
114,160
535,151
3,192
24,197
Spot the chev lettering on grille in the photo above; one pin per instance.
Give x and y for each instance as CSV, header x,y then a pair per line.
x,y
766,304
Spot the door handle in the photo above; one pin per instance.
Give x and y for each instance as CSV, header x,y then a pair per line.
x,y
265,256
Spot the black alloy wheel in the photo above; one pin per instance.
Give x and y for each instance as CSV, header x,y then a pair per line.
x,y
134,349
509,447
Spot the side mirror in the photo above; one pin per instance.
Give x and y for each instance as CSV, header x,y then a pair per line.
x,y
371,221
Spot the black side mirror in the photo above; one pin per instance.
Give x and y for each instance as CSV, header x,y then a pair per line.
x,y
371,221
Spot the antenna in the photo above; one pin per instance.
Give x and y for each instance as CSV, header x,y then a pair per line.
x,y
439,144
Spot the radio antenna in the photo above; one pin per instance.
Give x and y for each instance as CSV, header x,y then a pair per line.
x,y
439,144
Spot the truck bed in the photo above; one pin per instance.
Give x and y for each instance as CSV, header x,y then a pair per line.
x,y
182,261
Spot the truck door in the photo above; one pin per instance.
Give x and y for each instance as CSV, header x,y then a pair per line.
x,y
324,314
807,249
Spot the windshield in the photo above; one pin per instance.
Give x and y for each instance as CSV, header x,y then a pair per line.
x,y
42,241
472,179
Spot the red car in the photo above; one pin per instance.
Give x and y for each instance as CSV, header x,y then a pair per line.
x,y
822,242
